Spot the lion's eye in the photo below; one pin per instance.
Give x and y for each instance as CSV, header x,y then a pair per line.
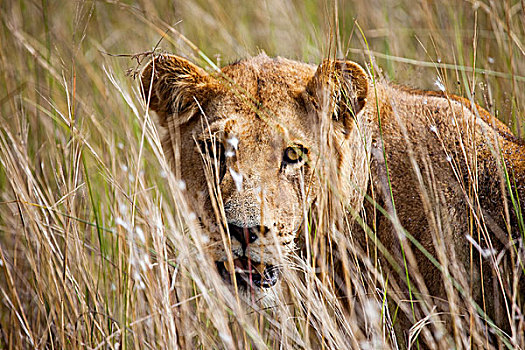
x,y
294,154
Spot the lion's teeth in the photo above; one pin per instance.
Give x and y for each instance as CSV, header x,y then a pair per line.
x,y
238,269
244,266
246,271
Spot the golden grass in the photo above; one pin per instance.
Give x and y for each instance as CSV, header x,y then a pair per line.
x,y
97,246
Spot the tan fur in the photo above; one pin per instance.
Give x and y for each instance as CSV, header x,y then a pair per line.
x,y
442,154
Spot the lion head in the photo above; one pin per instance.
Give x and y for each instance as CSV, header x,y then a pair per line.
x,y
250,141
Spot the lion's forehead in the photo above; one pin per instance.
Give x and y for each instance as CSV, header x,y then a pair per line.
x,y
265,94
264,130
261,72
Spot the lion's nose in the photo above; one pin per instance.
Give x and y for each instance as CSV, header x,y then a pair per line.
x,y
246,235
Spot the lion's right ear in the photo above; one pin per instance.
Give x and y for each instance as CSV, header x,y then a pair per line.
x,y
172,85
339,88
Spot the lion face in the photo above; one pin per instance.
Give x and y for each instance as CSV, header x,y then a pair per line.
x,y
247,144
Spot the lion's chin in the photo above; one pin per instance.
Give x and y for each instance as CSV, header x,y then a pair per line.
x,y
249,275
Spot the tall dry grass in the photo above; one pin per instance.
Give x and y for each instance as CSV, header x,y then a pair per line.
x,y
98,248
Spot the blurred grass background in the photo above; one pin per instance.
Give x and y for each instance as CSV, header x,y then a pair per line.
x,y
89,213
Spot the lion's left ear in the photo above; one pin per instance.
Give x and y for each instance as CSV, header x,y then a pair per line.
x,y
340,88
174,86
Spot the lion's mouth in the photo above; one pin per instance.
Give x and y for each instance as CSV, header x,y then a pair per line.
x,y
249,273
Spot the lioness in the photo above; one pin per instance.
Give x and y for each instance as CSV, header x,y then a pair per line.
x,y
442,170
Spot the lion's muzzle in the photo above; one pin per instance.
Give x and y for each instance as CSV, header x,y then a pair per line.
x,y
248,272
